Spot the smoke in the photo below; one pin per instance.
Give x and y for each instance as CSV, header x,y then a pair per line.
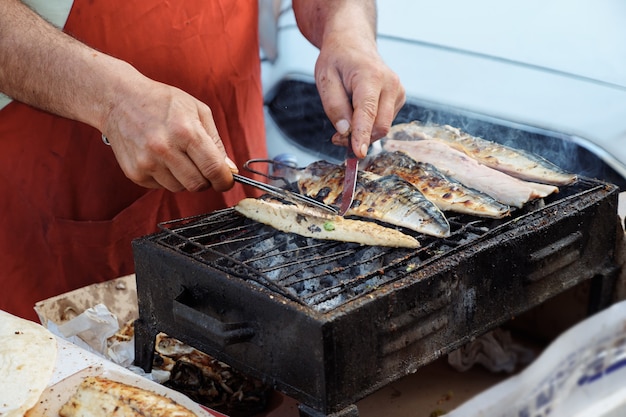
x,y
297,111
559,148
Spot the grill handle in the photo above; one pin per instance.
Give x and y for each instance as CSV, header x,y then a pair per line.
x,y
211,328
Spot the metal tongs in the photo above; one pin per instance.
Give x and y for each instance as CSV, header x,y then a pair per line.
x,y
279,192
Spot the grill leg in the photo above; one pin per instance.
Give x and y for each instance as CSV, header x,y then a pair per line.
x,y
602,290
350,411
145,340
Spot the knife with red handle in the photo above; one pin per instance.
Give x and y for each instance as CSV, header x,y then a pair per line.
x,y
349,180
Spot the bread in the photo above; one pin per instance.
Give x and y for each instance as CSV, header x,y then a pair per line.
x,y
28,355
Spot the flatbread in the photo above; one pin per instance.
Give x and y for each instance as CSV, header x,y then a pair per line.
x,y
28,354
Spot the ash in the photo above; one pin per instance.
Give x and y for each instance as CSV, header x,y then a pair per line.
x,y
321,274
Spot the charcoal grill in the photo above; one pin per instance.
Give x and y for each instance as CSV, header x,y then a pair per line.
x,y
329,323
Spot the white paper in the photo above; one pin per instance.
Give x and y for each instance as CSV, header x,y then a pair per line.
x,y
580,374
91,330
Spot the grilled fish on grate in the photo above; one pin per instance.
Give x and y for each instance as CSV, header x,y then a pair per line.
x,y
515,162
502,187
447,193
102,397
388,198
309,222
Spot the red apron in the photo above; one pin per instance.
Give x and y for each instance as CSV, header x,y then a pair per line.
x,y
68,213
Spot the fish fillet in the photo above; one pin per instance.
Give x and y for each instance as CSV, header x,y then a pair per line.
x,y
447,193
388,198
101,397
515,162
309,222
456,164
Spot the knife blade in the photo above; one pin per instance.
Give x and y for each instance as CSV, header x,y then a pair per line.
x,y
349,179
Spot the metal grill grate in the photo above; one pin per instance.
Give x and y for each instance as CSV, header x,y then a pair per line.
x,y
324,274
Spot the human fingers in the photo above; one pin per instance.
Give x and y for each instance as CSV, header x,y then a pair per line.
x,y
209,157
365,100
351,122
340,140
361,96
364,132
169,141
177,170
392,98
157,165
335,100
377,98
198,161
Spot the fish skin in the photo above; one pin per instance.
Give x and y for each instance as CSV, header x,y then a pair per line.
x,y
515,162
448,194
389,198
311,222
456,164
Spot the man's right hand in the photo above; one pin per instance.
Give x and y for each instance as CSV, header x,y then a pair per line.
x,y
164,137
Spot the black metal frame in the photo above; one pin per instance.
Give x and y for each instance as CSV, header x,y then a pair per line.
x,y
328,360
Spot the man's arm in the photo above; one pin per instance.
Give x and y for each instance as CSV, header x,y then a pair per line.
x,y
317,18
44,67
161,136
360,94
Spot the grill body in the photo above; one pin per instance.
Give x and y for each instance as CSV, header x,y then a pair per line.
x,y
328,358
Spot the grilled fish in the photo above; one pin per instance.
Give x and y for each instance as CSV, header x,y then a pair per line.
x,y
101,397
388,198
447,193
453,163
515,162
310,222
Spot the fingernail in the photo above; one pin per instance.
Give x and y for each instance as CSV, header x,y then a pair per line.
x,y
231,165
343,126
364,149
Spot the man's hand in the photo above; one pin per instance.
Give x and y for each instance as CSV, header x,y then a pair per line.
x,y
361,95
163,137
